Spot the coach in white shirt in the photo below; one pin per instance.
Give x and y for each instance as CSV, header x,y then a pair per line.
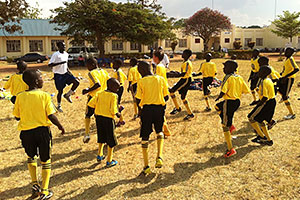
x,y
62,75
165,61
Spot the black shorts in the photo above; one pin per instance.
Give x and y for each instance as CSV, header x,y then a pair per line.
x,y
89,111
263,112
120,93
206,82
61,80
37,142
151,115
13,99
254,81
285,88
182,86
106,130
226,110
134,87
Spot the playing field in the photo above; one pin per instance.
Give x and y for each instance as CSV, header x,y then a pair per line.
x,y
194,166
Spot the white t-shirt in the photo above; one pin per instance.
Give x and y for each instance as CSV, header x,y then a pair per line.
x,y
165,61
58,57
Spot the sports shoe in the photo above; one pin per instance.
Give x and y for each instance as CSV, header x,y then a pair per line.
x,y
166,132
36,190
59,109
289,116
146,171
232,129
175,111
100,158
119,124
159,162
272,124
281,100
207,109
253,103
190,116
112,163
86,139
258,139
229,153
44,196
267,142
121,108
68,98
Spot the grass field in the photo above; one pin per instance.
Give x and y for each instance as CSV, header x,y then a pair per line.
x,y
194,166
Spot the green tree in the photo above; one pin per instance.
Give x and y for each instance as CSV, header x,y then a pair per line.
x,y
33,12
174,43
287,25
11,11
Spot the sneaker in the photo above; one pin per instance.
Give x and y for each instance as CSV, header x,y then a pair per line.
x,y
44,196
207,109
119,124
112,163
232,129
36,191
175,111
267,142
121,108
229,153
166,132
68,98
272,124
100,158
281,100
189,117
146,171
289,116
159,162
258,139
253,103
59,109
86,139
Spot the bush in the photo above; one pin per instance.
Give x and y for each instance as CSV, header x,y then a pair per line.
x,y
127,55
201,55
251,44
9,59
241,54
237,44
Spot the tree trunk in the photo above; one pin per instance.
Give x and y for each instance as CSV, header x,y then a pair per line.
x,y
205,45
291,39
100,46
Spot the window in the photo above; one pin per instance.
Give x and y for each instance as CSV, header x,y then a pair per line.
x,y
13,46
197,40
259,41
237,39
182,42
53,44
168,43
247,40
35,45
134,46
227,40
117,45
154,46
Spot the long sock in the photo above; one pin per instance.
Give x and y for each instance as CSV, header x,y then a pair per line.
x,y
186,104
288,105
109,153
71,92
265,131
135,108
206,100
46,170
32,167
145,153
87,125
160,144
228,140
100,149
253,94
174,99
255,125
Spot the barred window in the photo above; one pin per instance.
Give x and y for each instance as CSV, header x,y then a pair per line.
x,y
182,42
35,45
134,46
13,46
117,45
53,44
259,41
167,43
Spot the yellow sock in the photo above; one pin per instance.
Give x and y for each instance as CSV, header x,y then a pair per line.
x,y
46,170
135,108
100,149
87,125
145,153
228,140
288,105
207,102
186,104
255,125
32,167
253,94
160,144
174,99
265,131
109,153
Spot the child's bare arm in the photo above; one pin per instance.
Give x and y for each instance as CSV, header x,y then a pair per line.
x,y
55,121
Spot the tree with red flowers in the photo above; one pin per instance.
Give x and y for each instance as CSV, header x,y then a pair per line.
x,y
206,22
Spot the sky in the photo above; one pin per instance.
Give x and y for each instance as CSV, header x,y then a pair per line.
x,y
241,12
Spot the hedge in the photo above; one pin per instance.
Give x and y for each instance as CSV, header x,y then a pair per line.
x,y
127,55
201,55
241,54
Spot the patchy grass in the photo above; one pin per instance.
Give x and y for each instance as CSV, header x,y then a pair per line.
x,y
194,166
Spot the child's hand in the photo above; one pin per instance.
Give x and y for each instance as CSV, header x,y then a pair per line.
x,y
217,99
62,130
118,115
85,91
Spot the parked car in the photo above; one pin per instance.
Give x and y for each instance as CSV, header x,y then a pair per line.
x,y
79,52
32,57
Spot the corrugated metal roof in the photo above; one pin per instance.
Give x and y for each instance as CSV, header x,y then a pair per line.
x,y
34,27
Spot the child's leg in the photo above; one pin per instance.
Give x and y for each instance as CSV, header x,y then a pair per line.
x,y
109,153
160,144
145,144
288,105
32,167
206,83
256,127
120,93
59,94
265,130
100,149
227,137
185,102
174,99
89,113
46,170
166,129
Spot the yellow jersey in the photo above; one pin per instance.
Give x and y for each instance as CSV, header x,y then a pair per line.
x,y
289,66
233,86
254,65
120,76
97,76
266,89
187,68
16,84
161,70
151,90
134,75
105,104
274,74
208,69
33,108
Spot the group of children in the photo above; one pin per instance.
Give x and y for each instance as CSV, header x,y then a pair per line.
x,y
150,91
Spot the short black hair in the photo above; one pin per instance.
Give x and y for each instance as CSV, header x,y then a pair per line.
x,y
188,52
263,61
91,61
159,54
231,64
134,61
21,65
290,49
118,62
266,70
30,76
59,43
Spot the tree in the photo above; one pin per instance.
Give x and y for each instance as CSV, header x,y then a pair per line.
x,y
237,44
33,12
251,44
173,45
11,11
206,22
151,4
287,25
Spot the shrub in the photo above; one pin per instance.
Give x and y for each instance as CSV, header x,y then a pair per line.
x,y
201,55
241,54
9,59
237,44
251,44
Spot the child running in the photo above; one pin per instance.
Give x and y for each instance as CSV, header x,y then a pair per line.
x,y
35,111
152,94
15,83
233,86
253,75
182,86
106,108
